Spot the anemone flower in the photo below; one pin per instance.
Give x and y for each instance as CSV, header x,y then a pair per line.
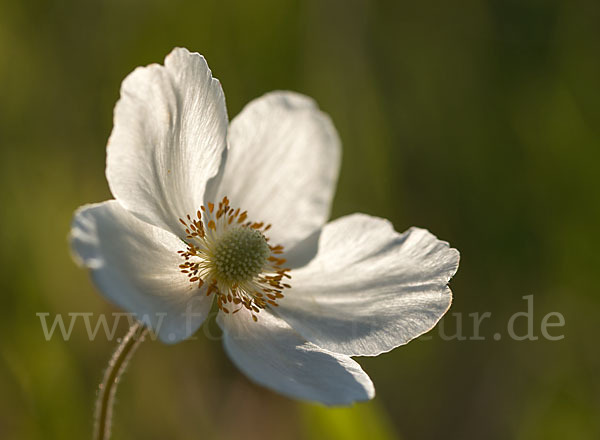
x,y
235,214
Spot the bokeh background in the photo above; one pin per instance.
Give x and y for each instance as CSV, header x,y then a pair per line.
x,y
479,120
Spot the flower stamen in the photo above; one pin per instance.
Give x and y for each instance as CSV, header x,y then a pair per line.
x,y
233,258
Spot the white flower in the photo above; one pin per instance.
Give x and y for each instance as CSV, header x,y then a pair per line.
x,y
192,192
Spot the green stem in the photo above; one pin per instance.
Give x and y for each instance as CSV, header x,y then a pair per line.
x,y
112,375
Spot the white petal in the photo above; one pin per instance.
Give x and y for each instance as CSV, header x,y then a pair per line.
x,y
282,165
168,138
135,265
275,356
370,289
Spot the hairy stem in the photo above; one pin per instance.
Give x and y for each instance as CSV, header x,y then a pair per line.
x,y
110,381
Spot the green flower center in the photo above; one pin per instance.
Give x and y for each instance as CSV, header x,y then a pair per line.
x,y
240,255
230,258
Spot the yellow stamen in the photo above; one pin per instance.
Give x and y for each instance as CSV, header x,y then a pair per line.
x,y
235,261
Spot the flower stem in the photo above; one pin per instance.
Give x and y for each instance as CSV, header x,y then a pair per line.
x,y
112,375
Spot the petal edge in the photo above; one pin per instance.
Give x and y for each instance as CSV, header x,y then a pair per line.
x,y
282,165
169,133
273,355
135,266
370,289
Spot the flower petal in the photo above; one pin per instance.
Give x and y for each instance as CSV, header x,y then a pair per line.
x,y
169,133
282,165
135,265
275,356
370,289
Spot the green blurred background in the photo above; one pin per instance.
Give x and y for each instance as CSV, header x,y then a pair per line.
x,y
479,120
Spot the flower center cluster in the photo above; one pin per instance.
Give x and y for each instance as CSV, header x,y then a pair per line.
x,y
232,259
240,255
